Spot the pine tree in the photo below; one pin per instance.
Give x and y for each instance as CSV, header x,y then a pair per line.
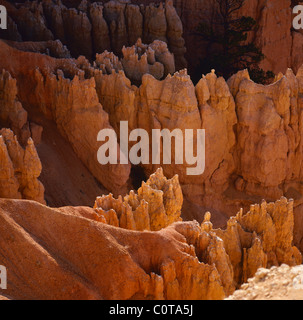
x,y
227,47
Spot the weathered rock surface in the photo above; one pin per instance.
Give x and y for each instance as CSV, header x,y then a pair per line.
x,y
150,265
253,132
57,88
261,238
138,60
274,20
95,27
182,261
154,59
52,48
20,169
157,204
282,283
13,115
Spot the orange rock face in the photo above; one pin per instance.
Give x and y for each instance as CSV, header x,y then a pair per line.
x,y
140,59
139,275
253,141
20,169
182,261
253,149
95,27
157,204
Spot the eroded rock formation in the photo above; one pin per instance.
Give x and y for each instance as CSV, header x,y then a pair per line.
x,y
274,21
253,148
261,238
62,93
138,60
157,204
150,265
253,138
95,27
12,114
20,169
182,261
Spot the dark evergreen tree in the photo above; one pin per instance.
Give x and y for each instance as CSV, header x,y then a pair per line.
x,y
227,47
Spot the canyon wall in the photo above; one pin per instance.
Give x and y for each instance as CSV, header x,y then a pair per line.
x,y
90,28
253,149
253,142
274,30
87,28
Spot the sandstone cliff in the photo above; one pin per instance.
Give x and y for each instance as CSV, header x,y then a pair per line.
x,y
274,21
157,204
138,60
253,142
20,169
95,27
182,261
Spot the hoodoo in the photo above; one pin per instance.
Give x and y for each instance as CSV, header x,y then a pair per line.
x,y
147,154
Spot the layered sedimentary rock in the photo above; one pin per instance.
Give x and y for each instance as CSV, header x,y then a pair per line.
x,y
111,24
95,27
218,114
269,130
274,21
57,88
253,141
151,106
20,169
138,60
12,114
157,204
260,239
75,107
182,261
52,48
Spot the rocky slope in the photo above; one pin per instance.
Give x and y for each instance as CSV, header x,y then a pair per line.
x,y
253,132
52,109
182,261
282,283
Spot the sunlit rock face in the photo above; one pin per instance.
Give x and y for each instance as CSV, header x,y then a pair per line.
x,y
20,169
185,260
253,141
92,66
